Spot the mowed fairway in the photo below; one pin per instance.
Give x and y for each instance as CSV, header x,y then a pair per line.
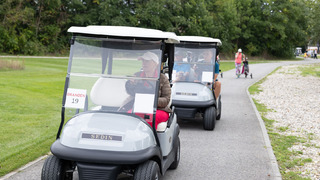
x,y
30,105
30,108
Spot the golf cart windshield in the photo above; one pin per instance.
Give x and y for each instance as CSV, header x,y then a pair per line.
x,y
113,75
194,64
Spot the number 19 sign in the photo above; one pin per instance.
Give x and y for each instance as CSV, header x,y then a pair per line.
x,y
76,98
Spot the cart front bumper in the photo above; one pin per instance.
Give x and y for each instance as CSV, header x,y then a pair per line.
x,y
104,157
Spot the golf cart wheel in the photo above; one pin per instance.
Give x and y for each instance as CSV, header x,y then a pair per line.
x,y
209,119
55,169
147,171
219,106
176,161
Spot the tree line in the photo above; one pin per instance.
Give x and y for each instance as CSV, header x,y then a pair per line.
x,y
259,27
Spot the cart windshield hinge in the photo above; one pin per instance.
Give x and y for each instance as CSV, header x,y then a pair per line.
x,y
72,41
162,47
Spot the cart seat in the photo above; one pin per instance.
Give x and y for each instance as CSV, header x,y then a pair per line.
x,y
110,92
162,126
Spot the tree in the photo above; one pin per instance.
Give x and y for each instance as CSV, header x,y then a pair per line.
x,y
314,25
256,26
286,26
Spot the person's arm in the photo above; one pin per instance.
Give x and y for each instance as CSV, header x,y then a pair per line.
x,y
216,71
164,99
131,85
215,77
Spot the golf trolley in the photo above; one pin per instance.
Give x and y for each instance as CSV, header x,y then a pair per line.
x,y
245,68
111,132
194,94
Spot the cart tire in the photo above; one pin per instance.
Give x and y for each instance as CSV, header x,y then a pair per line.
x,y
209,119
219,105
55,169
147,171
176,161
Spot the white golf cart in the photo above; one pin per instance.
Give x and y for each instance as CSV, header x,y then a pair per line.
x,y
192,77
111,131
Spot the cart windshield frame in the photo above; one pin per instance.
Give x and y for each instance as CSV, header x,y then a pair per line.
x,y
110,75
194,63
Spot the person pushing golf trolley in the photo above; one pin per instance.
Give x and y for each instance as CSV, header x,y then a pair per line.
x,y
112,130
198,93
239,57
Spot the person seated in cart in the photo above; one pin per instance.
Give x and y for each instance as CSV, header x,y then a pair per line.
x,y
199,68
150,63
181,69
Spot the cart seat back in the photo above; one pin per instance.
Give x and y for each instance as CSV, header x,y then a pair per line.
x,y
109,92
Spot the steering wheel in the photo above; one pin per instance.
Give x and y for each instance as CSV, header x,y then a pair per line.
x,y
139,86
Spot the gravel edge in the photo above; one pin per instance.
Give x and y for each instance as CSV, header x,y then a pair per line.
x,y
273,160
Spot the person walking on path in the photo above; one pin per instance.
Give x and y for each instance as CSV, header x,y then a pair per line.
x,y
315,54
239,56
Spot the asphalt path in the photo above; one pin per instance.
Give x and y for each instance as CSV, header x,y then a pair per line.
x,y
238,148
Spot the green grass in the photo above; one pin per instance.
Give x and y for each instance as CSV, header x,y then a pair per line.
x,y
228,65
310,70
281,143
30,110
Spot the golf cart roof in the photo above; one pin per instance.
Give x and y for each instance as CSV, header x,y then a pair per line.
x,y
199,39
125,32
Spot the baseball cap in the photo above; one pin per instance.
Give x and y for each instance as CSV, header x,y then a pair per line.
x,y
149,56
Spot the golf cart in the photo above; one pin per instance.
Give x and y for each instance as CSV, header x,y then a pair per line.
x,y
192,77
111,131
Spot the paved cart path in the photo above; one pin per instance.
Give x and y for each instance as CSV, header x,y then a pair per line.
x,y
238,148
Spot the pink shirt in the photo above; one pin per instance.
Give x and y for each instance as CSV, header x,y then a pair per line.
x,y
238,58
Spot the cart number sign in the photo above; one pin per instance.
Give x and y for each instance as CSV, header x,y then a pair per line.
x,y
207,76
76,98
143,103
